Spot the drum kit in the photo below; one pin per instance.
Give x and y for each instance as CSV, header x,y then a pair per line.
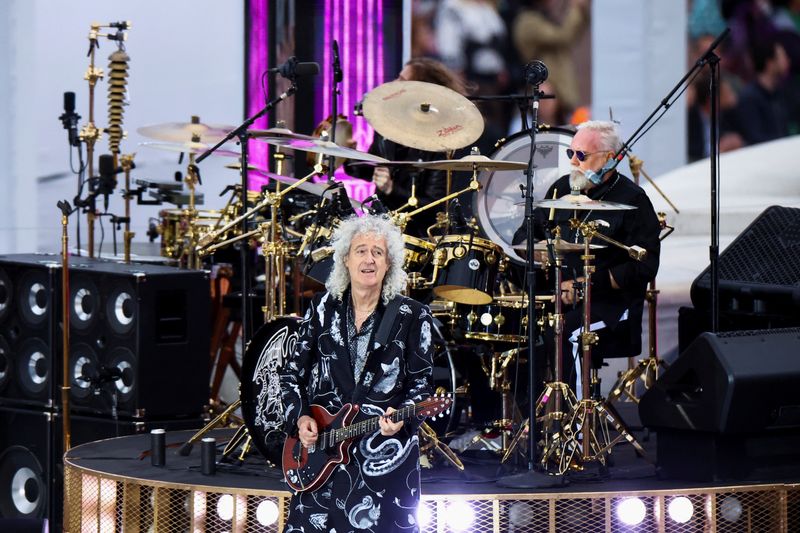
x,y
463,269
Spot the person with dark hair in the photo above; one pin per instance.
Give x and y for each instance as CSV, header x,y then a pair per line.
x,y
762,109
393,185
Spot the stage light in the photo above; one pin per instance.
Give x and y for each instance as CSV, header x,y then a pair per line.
x,y
520,513
680,509
424,515
267,513
460,516
225,507
631,511
730,509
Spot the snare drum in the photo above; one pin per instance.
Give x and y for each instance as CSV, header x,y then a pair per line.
x,y
466,269
418,253
175,229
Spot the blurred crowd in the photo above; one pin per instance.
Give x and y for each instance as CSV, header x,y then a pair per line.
x,y
489,41
759,71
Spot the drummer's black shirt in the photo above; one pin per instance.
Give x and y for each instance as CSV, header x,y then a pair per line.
x,y
638,226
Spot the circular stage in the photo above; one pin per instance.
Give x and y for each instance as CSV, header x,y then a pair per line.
x,y
110,485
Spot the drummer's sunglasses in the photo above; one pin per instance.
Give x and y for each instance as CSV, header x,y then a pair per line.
x,y
580,154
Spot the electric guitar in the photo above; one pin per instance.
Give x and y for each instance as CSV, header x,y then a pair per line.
x,y
309,468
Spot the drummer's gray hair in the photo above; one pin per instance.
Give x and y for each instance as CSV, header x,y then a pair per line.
x,y
608,132
381,226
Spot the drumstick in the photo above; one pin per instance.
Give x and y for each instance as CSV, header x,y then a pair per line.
x,y
553,209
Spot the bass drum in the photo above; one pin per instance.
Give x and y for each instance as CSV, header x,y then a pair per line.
x,y
260,389
498,203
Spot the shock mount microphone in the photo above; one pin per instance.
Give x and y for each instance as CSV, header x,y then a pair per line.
x,y
69,119
293,69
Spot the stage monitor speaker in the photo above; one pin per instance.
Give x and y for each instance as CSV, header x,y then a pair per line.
x,y
29,303
31,450
729,398
139,336
759,273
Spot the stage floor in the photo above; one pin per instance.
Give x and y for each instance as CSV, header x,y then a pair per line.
x,y
110,484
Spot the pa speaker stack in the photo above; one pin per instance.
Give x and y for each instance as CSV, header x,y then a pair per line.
x,y
139,345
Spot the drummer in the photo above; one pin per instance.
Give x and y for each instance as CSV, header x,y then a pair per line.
x,y
618,282
393,186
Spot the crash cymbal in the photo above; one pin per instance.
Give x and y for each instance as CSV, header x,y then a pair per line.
x,y
423,115
279,132
238,166
581,202
559,245
179,132
318,146
189,148
472,162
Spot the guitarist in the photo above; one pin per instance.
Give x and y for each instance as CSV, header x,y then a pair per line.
x,y
362,342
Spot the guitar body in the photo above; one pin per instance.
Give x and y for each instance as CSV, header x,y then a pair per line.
x,y
309,468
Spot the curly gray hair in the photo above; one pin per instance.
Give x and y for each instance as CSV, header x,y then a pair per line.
x,y
607,131
379,225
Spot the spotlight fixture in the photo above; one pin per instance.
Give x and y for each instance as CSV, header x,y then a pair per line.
x,y
730,509
460,516
225,507
267,513
680,509
424,516
631,511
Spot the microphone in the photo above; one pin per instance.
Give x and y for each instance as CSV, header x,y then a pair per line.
x,y
597,177
458,218
376,207
535,72
293,68
337,66
69,119
108,178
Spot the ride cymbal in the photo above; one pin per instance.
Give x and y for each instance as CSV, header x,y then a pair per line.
x,y
423,115
189,148
318,146
472,162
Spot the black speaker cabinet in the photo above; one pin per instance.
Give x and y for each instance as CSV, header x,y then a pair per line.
x,y
31,476
139,336
732,399
759,273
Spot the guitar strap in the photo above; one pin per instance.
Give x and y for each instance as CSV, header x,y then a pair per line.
x,y
381,339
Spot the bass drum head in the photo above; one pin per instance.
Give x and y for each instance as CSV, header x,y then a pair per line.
x,y
498,204
260,390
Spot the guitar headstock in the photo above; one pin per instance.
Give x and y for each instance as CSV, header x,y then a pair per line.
x,y
435,405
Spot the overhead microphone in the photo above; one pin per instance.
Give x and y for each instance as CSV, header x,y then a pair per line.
x,y
69,119
292,69
337,65
108,178
536,72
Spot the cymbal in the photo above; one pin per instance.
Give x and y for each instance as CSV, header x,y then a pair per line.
x,y
179,132
582,203
188,148
559,245
279,132
317,189
238,166
318,146
423,115
472,162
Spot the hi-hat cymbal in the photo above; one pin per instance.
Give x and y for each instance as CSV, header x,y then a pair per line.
x,y
472,162
581,202
423,115
179,132
318,146
559,246
189,148
279,132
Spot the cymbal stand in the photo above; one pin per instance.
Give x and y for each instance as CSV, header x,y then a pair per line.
x,y
589,425
192,179
429,441
219,420
127,164
647,369
90,133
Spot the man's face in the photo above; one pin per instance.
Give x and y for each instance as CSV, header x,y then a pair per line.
x,y
586,143
367,261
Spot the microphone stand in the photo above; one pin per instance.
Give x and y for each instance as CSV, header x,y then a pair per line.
x,y
707,58
242,133
531,478
335,92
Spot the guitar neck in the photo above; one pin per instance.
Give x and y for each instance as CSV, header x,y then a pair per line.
x,y
368,426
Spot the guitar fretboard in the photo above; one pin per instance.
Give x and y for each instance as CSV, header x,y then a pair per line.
x,y
335,436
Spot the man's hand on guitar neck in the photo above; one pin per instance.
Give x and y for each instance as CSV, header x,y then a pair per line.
x,y
307,430
389,428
